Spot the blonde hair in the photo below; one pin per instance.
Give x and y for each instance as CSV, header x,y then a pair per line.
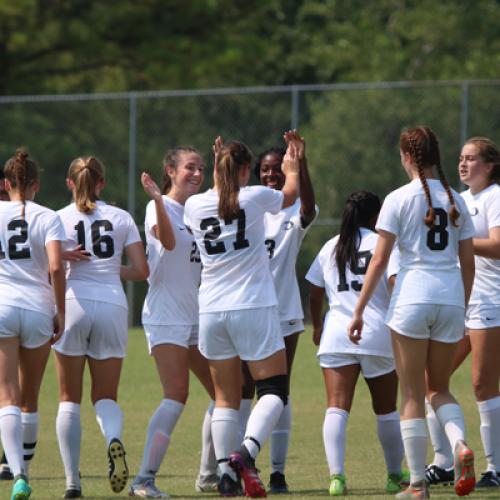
x,y
85,173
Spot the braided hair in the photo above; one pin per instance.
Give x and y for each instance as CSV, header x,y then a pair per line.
x,y
21,172
360,210
422,145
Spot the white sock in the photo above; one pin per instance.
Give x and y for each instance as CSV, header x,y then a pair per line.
x,y
443,454
11,432
244,414
262,421
489,413
110,419
414,434
451,418
208,462
280,437
225,422
30,435
389,435
69,436
334,436
160,428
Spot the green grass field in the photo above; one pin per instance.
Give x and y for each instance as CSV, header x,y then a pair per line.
x,y
307,471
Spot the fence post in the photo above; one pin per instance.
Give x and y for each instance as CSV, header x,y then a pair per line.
x,y
132,179
294,122
465,113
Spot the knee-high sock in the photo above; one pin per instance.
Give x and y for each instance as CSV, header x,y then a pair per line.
x,y
110,419
262,421
280,437
11,431
443,455
451,418
160,428
208,462
244,415
69,436
334,436
30,435
414,434
225,424
489,413
389,435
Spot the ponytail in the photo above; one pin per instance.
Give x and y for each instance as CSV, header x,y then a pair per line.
x,y
232,157
85,173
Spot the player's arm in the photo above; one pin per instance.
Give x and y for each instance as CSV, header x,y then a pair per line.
x,y
307,198
58,281
163,230
488,247
376,269
290,167
467,266
137,269
316,300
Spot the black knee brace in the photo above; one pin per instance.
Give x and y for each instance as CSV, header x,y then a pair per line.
x,y
277,385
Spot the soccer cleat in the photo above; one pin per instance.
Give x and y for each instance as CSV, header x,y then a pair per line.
x,y
489,479
417,490
465,479
228,487
438,475
73,493
205,484
277,483
337,485
396,482
21,489
147,489
5,472
118,470
244,465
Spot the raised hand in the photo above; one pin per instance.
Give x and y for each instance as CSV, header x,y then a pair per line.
x,y
300,143
150,186
290,164
218,143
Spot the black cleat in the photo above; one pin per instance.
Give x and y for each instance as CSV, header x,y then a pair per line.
x,y
5,472
73,493
489,479
118,470
437,475
277,483
228,487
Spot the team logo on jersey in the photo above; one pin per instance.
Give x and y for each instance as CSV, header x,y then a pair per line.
x,y
181,228
288,224
473,211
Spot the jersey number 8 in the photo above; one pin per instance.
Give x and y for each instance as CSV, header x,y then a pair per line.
x,y
437,236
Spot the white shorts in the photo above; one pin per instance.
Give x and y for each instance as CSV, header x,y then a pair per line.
x,y
95,329
33,328
289,327
371,366
442,323
251,334
482,316
182,335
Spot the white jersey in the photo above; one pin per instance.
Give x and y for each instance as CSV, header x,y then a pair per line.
x,y
235,272
174,275
24,272
284,235
343,293
484,208
104,233
430,272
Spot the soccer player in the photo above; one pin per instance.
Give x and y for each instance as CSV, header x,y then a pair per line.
x,y
238,307
4,195
339,269
30,251
284,233
479,169
97,235
432,227
170,316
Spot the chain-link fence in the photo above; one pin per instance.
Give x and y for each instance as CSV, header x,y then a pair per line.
x,y
351,130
